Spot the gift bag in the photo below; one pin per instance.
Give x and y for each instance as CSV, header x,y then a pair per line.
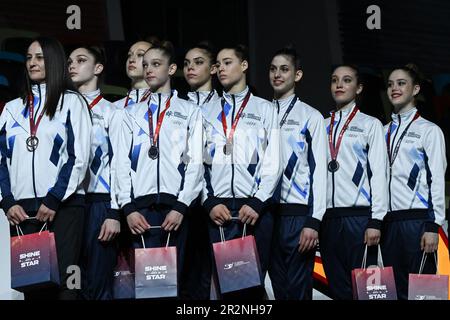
x,y
123,283
156,272
373,283
427,286
237,263
34,262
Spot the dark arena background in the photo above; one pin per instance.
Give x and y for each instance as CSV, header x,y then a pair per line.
x,y
375,35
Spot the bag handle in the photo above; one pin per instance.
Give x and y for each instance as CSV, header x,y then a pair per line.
x,y
156,227
20,231
424,260
222,233
379,258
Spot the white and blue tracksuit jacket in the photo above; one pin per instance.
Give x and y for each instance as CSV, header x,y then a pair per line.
x,y
253,169
361,180
105,137
134,96
417,178
54,172
201,97
175,177
303,157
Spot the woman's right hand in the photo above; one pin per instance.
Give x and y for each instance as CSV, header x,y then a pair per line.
x,y
16,215
220,214
137,223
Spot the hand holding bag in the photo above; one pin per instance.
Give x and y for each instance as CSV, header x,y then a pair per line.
x,y
427,286
374,283
34,262
156,271
237,262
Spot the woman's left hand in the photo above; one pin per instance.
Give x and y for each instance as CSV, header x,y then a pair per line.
x,y
172,221
429,242
45,214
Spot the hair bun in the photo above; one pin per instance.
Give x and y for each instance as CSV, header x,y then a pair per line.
x,y
413,67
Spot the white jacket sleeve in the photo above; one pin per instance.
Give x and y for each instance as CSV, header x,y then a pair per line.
x,y
72,173
271,162
318,153
6,197
114,132
123,165
435,160
377,160
194,167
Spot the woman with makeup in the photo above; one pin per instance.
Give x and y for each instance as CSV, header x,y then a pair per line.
x,y
356,187
160,158
86,66
242,160
300,199
139,91
199,70
416,182
45,140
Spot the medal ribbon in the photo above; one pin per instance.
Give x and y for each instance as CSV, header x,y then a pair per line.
x,y
144,97
210,95
392,156
291,105
236,119
335,150
34,126
154,137
95,101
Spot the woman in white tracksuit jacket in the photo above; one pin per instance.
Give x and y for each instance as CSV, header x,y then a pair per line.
x,y
159,163
86,65
199,69
416,182
44,141
356,187
300,200
242,158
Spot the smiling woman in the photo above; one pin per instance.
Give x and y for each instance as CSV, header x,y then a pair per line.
x,y
357,162
47,161
297,220
417,164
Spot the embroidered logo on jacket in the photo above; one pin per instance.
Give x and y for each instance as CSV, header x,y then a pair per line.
x,y
413,135
355,129
250,116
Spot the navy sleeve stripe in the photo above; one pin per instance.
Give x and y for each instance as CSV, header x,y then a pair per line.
x,y
63,180
5,185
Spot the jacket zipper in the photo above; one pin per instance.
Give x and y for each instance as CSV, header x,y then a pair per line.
x,y
232,155
334,144
390,164
33,173
159,154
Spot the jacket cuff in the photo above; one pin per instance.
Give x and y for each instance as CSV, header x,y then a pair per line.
x,y
113,214
180,207
431,227
312,223
129,208
374,224
51,202
256,205
210,203
7,203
